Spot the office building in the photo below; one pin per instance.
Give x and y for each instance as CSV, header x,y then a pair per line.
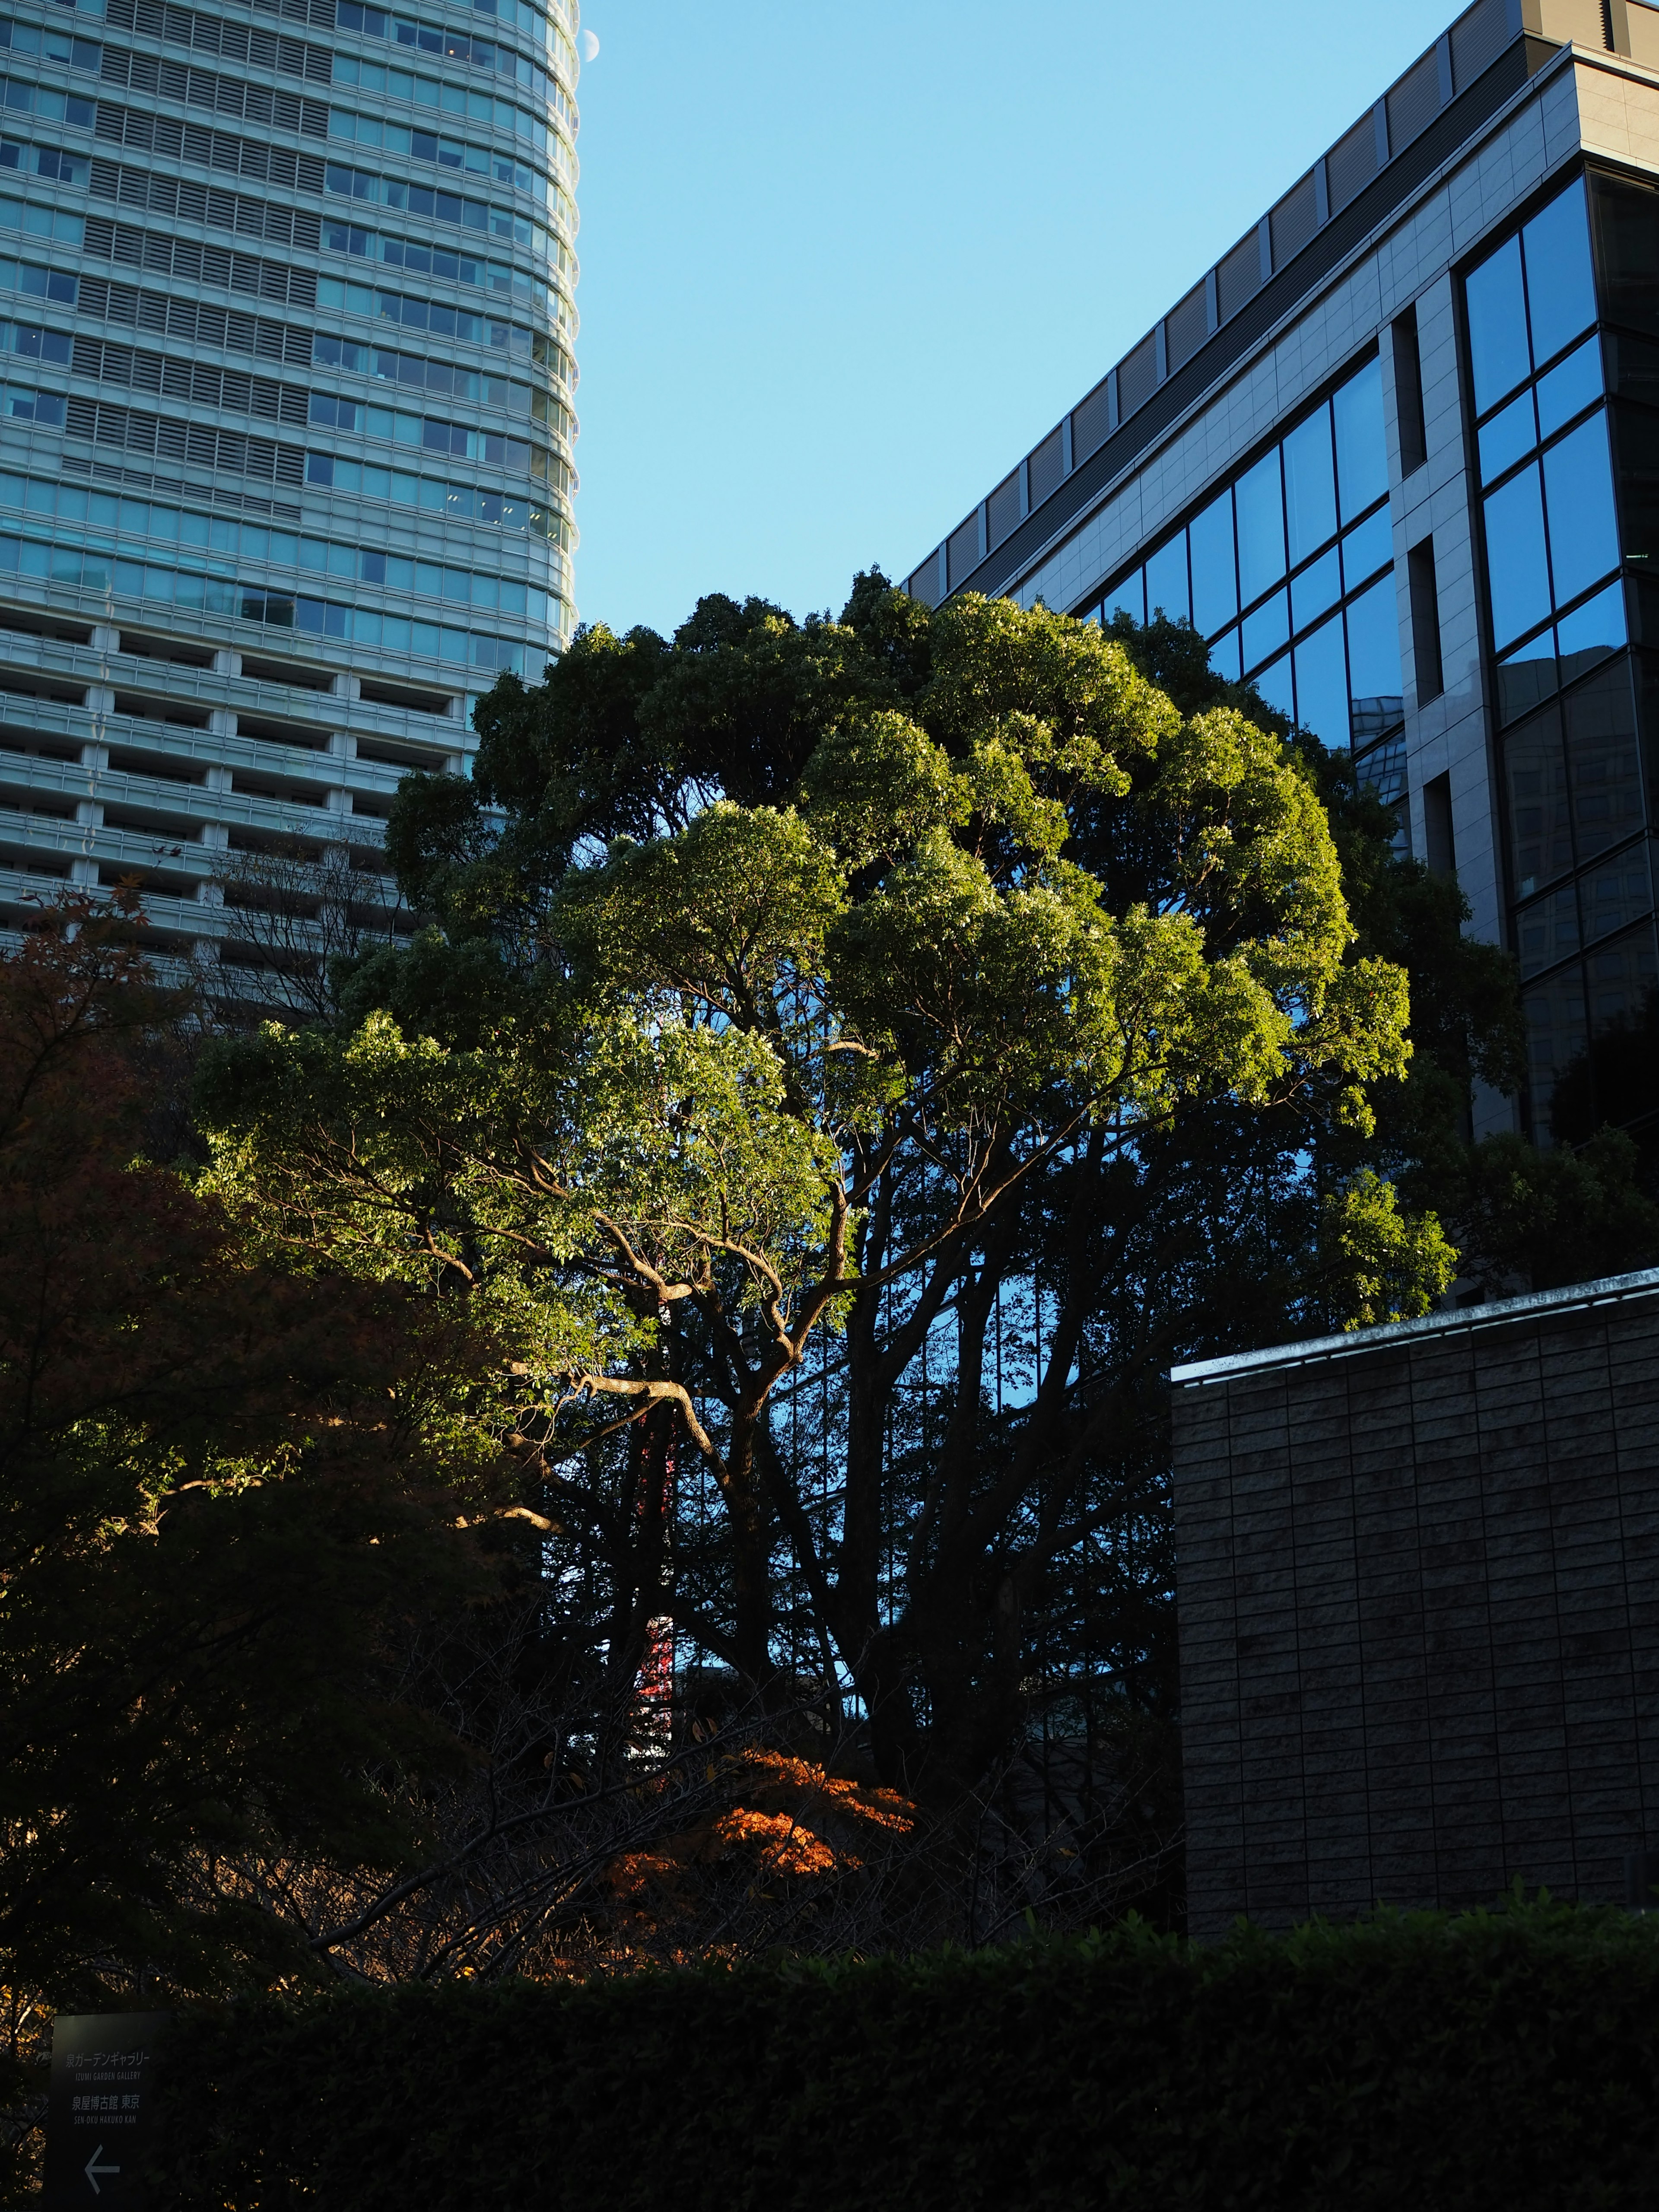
x,y
287,378
1397,456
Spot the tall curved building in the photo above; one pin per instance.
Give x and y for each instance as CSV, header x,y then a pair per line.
x,y
287,393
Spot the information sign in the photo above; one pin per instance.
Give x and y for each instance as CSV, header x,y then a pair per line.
x,y
98,2108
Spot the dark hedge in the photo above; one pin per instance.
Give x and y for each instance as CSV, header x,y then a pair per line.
x,y
1508,2060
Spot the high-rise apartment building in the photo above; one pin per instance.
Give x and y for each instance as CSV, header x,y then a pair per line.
x,y
287,377
1397,456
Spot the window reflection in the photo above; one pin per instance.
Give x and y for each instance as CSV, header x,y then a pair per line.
x,y
1540,823
1560,289
1310,487
1316,588
1275,686
1322,683
1554,1013
1343,680
1374,678
1618,892
1495,296
1215,576
1517,565
1570,387
1603,765
1584,530
1265,630
1615,1078
1362,444
1547,931
1508,437
1367,549
1259,505
1166,581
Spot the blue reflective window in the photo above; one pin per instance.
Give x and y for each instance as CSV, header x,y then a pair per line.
x,y
1498,352
1276,686
1315,589
1525,676
1366,549
1590,633
1571,387
1223,656
1258,498
1560,286
1215,579
1374,687
1516,568
1578,494
1266,629
1128,597
1511,433
1166,581
1322,683
1362,443
1309,486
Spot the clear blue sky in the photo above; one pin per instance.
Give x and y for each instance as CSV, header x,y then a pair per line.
x,y
843,265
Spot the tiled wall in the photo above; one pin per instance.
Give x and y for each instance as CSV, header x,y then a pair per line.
x,y
1419,1588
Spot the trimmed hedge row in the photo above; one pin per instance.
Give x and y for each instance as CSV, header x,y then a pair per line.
x,y
1484,2061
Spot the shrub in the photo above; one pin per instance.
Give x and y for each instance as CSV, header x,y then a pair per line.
x,y
1507,2059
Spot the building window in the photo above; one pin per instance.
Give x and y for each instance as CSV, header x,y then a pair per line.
x,y
1289,574
1558,321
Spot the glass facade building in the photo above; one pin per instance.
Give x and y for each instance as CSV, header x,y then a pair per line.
x,y
287,420
1397,457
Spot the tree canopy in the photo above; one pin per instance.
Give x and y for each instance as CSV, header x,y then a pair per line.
x,y
849,1061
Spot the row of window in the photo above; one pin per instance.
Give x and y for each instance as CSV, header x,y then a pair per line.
x,y
180,377
420,258
95,572
1279,514
449,99
461,46
1575,807
51,44
459,502
518,15
150,250
202,323
325,410
404,31
219,150
440,318
1572,778
202,88
76,504
1590,1039
342,182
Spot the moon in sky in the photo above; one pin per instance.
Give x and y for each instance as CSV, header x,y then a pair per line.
x,y
590,46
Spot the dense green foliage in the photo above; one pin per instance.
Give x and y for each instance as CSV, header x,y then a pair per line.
x,y
1443,2064
880,1045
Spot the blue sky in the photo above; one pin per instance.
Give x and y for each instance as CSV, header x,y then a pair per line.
x,y
843,265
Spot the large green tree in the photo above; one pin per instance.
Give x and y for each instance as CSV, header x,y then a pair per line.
x,y
852,1059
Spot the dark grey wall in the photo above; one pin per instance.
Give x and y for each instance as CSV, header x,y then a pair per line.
x,y
1418,1586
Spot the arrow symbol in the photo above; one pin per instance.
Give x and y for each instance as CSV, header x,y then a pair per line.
x,y
94,2170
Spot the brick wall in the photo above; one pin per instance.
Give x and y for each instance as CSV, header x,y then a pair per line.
x,y
1419,1584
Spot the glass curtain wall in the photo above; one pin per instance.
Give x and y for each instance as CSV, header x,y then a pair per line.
x,y
1560,461
1289,574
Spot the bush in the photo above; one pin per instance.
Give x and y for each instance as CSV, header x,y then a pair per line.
x,y
1508,2060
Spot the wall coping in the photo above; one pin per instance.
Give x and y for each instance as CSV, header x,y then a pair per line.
x,y
1496,1313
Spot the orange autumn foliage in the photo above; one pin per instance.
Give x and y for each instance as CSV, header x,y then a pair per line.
x,y
786,1820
